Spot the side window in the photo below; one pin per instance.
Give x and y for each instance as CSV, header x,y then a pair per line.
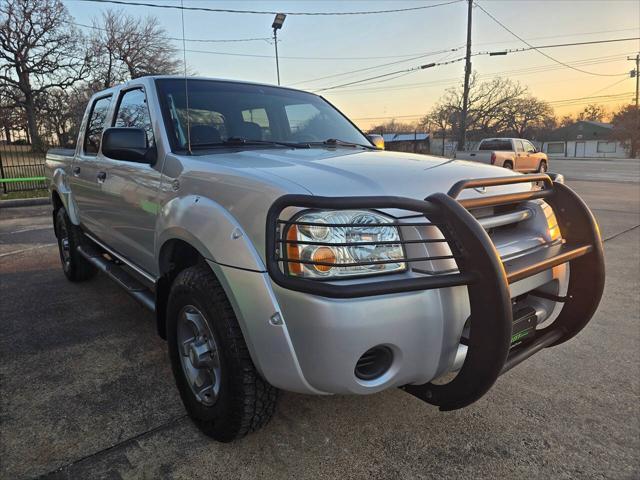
x,y
305,118
134,112
519,147
528,147
96,124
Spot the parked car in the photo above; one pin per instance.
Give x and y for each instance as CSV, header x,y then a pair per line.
x,y
513,153
280,249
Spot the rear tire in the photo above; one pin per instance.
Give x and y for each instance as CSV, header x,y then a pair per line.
x,y
75,267
542,168
220,387
508,165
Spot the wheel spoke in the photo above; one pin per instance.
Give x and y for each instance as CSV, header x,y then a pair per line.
x,y
196,322
199,355
208,394
184,346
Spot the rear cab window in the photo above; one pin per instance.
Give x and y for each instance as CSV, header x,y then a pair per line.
x,y
133,112
95,125
496,144
519,147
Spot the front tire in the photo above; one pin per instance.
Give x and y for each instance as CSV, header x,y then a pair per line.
x,y
75,267
542,168
220,387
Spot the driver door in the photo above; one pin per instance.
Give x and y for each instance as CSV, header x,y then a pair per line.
x,y
132,189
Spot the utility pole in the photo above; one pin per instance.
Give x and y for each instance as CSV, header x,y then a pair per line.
x,y
275,42
462,138
636,73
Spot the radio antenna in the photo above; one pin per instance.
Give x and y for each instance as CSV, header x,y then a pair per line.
x,y
186,86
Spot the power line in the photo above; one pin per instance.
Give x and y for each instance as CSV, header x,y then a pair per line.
x,y
502,73
540,52
427,54
177,39
263,12
527,49
413,56
458,48
595,32
568,101
532,47
455,80
412,69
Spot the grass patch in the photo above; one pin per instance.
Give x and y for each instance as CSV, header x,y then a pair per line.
x,y
28,194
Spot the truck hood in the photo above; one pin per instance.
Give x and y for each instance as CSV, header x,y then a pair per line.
x,y
345,172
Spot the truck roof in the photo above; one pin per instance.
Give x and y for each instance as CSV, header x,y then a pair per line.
x,y
181,77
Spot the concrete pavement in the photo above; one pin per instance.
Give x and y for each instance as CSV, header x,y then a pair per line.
x,y
86,389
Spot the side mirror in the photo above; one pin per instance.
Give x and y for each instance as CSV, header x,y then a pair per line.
x,y
128,144
377,141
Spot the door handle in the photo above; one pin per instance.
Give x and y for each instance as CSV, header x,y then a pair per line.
x,y
76,171
101,176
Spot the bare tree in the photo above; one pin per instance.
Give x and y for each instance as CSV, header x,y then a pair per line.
x,y
524,116
40,50
565,121
593,112
11,118
626,127
496,106
124,47
393,126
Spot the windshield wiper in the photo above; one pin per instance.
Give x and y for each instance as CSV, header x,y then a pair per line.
x,y
333,142
240,141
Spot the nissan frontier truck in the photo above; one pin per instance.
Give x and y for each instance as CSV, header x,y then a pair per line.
x,y
279,249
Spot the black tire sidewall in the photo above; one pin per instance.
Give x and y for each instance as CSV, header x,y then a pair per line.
x,y
62,220
542,168
221,412
508,165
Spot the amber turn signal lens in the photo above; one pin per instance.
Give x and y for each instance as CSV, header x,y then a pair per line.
x,y
293,252
323,255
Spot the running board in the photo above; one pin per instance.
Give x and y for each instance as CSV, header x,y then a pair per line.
x,y
130,285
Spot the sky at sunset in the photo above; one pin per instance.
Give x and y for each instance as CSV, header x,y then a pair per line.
x,y
312,47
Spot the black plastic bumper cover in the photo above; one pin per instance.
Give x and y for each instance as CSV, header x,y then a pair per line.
x,y
480,269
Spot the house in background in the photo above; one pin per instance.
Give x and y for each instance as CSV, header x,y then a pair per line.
x,y
415,142
584,138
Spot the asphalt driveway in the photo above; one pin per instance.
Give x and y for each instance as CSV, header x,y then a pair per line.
x,y
86,390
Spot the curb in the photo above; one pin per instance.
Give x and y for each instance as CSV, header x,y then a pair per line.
x,y
24,202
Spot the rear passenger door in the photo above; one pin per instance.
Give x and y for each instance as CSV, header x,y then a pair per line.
x,y
86,178
131,189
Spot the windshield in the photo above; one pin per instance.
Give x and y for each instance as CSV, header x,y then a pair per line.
x,y
226,113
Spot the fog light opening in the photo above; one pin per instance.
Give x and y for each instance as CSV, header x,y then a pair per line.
x,y
374,363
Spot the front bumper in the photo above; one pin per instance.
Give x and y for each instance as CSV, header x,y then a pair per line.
x,y
420,318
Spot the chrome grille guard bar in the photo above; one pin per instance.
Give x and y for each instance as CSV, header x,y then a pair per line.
x,y
480,269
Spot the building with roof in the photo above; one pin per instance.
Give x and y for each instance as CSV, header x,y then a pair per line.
x,y
584,139
416,142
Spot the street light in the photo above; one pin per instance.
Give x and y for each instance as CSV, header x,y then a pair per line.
x,y
277,25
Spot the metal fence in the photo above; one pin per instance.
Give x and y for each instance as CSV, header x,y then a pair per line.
x,y
21,168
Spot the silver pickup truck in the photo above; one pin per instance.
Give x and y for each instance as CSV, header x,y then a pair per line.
x,y
280,249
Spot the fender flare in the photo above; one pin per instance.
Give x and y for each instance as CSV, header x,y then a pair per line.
x,y
209,228
60,185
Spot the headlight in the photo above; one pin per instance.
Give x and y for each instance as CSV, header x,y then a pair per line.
x,y
343,243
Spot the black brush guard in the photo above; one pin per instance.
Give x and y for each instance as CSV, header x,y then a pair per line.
x,y
479,268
